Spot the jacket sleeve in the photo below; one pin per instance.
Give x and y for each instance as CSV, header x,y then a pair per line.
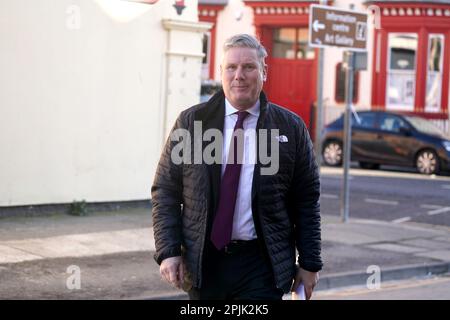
x,y
304,202
166,195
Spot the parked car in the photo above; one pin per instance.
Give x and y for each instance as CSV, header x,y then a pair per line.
x,y
389,138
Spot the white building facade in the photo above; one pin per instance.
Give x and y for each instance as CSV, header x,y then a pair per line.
x,y
89,92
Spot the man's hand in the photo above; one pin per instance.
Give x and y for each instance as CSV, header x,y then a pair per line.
x,y
309,280
172,269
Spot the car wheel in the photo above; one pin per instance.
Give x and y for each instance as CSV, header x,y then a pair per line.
x,y
427,162
369,165
332,153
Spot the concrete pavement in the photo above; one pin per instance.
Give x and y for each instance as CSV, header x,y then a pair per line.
x,y
352,252
429,288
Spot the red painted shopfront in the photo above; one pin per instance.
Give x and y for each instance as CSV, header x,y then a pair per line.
x,y
411,58
411,55
282,27
283,30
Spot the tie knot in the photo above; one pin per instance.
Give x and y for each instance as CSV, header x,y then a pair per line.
x,y
241,117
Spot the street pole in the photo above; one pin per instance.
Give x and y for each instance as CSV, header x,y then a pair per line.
x,y
319,106
318,131
347,135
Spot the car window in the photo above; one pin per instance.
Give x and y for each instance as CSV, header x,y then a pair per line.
x,y
392,123
365,120
424,125
339,122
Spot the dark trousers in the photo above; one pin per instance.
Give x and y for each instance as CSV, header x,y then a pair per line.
x,y
240,271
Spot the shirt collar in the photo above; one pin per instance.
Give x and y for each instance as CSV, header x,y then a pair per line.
x,y
229,109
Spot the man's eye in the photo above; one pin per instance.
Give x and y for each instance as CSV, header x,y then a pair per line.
x,y
231,68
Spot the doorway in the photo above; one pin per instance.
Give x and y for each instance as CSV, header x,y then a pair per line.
x,y
292,64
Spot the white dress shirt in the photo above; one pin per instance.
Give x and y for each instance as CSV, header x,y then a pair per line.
x,y
243,225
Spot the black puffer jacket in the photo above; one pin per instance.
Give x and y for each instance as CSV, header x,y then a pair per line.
x,y
285,205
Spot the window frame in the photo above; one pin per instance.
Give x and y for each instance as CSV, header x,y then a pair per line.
x,y
296,45
441,71
389,71
422,19
206,66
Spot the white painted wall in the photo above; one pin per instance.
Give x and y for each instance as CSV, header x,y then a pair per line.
x,y
82,98
183,68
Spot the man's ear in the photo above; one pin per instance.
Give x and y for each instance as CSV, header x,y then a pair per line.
x,y
265,73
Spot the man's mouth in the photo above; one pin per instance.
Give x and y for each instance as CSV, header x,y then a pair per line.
x,y
240,87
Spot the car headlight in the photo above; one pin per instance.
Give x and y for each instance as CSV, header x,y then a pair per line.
x,y
446,145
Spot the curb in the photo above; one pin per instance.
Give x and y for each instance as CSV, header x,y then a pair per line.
x,y
175,296
348,279
46,210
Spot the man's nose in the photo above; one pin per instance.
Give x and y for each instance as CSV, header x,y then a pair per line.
x,y
239,75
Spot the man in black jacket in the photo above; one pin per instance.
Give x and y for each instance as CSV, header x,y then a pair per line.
x,y
230,227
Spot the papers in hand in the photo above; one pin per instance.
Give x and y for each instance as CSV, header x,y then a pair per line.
x,y
299,294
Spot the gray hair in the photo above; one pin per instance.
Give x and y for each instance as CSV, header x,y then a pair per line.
x,y
246,41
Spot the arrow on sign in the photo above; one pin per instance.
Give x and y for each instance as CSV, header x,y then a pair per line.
x,y
318,26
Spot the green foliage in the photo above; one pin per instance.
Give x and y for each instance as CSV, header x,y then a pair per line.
x,y
78,208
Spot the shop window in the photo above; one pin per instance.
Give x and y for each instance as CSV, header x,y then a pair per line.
x,y
401,82
206,57
339,93
283,43
291,43
434,73
304,51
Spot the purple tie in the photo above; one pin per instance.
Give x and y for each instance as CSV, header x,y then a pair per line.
x,y
223,221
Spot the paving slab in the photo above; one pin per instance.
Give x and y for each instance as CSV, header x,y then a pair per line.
x,y
443,255
12,255
396,248
365,232
80,245
427,243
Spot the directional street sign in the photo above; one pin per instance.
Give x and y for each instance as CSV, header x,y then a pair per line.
x,y
331,27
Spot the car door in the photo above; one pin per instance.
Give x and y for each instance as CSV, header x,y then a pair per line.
x,y
364,135
394,139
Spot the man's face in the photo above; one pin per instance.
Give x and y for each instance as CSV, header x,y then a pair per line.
x,y
242,77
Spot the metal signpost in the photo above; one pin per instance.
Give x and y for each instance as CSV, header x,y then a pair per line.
x,y
345,196
333,27
319,106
